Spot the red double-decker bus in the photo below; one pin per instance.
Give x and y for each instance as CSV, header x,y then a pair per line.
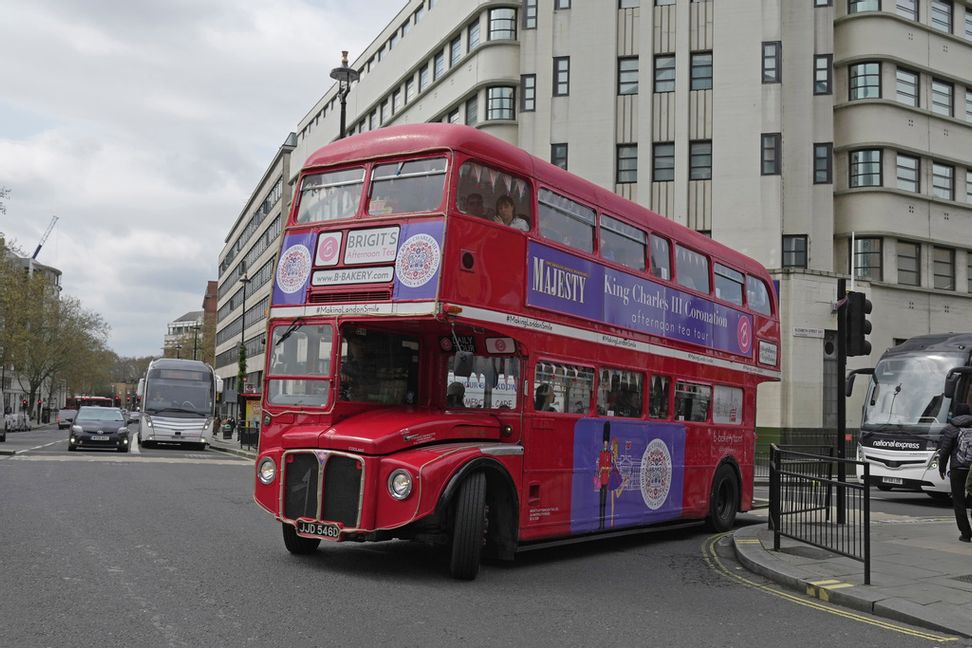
x,y
473,348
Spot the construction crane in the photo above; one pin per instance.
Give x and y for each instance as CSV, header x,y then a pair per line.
x,y
44,238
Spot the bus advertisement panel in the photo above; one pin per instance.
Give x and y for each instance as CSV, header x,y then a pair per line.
x,y
567,366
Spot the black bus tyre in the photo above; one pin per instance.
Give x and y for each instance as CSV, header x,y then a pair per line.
x,y
883,487
296,544
723,499
468,527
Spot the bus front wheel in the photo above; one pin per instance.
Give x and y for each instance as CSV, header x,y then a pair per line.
x,y
724,499
468,528
296,544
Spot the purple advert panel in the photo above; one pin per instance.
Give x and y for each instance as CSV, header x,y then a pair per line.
x,y
294,269
419,260
567,284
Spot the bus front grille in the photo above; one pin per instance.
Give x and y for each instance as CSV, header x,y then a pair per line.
x,y
301,477
346,297
342,490
340,482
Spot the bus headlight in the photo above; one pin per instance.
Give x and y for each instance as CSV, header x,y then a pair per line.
x,y
266,471
399,484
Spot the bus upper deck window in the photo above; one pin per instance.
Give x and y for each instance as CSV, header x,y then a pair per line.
x,y
661,265
328,196
566,221
406,187
622,243
691,269
757,296
728,284
484,190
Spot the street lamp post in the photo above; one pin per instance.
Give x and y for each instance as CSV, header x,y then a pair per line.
x,y
178,347
345,76
241,377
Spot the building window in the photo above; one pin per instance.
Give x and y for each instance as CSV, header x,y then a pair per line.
x,y
384,112
968,186
663,162
438,65
823,3
770,146
499,103
664,3
700,160
627,164
968,23
392,40
453,117
909,270
528,92
907,9
423,77
968,98
867,258
941,99
865,81
772,53
558,154
561,76
409,90
942,181
502,24
455,50
472,110
865,168
857,6
396,101
823,155
665,73
529,14
906,85
795,251
701,71
419,13
941,15
629,4
472,36
822,66
943,265
908,178
561,4
628,75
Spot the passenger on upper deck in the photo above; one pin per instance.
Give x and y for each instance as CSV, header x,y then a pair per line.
x,y
455,395
473,205
505,215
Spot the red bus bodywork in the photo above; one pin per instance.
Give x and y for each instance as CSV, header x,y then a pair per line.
x,y
446,280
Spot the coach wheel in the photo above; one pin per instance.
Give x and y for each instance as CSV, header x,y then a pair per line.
x,y
295,544
724,499
469,528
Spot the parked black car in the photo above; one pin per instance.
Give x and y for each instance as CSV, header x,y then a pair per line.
x,y
99,427
65,418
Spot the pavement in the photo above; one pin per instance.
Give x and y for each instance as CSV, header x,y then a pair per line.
x,y
920,573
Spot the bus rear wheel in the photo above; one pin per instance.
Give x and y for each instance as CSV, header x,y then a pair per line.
x,y
296,544
468,528
723,499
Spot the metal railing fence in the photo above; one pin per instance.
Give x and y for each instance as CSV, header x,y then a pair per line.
x,y
809,504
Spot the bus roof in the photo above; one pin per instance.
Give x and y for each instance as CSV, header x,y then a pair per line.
x,y
950,342
413,139
178,363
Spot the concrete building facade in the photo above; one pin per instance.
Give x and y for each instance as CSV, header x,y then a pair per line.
x,y
825,138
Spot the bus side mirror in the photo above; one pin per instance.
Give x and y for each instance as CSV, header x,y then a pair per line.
x,y
849,385
219,385
462,364
140,390
952,379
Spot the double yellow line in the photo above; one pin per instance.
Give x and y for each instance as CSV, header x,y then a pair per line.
x,y
817,588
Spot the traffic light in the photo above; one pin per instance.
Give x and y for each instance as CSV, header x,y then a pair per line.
x,y
858,326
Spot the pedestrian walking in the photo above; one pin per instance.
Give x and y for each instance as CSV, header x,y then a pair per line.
x,y
956,451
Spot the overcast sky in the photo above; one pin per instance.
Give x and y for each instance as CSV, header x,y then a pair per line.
x,y
145,126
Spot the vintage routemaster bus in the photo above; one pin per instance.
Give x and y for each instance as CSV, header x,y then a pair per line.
x,y
473,348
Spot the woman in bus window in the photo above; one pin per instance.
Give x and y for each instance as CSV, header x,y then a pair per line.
x,y
505,215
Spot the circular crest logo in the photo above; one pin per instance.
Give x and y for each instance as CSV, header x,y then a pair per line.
x,y
294,268
418,260
744,335
656,474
